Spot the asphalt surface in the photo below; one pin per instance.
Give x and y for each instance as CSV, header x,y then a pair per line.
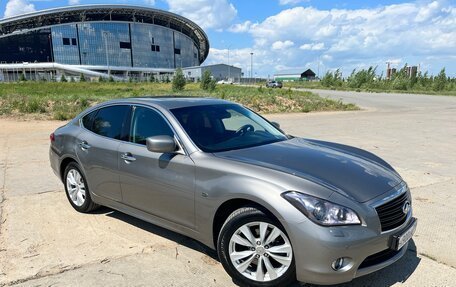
x,y
43,242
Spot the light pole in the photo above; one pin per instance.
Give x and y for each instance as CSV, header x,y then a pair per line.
x,y
107,55
229,65
251,65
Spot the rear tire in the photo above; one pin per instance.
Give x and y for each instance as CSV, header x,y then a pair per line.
x,y
77,190
255,250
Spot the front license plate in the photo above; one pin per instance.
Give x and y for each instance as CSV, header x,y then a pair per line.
x,y
398,241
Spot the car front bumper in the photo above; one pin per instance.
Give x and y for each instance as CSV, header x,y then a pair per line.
x,y
364,249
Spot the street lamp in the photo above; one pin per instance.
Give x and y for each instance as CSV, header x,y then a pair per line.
x,y
229,65
105,33
251,65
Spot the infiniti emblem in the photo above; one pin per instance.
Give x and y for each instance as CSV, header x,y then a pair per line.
x,y
406,207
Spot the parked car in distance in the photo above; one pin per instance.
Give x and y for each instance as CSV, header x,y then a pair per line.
x,y
225,82
276,208
274,84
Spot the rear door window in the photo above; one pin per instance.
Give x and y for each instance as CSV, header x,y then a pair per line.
x,y
110,121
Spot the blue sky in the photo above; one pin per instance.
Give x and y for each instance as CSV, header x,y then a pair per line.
x,y
318,34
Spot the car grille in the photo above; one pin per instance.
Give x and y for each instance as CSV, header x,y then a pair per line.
x,y
391,214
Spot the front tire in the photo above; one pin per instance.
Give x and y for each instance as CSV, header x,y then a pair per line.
x,y
255,250
77,190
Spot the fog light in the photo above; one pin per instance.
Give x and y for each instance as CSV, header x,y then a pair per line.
x,y
340,263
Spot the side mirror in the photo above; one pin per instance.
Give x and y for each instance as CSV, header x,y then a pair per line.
x,y
276,124
161,144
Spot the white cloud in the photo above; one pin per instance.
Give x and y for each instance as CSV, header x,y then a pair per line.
x,y
17,7
74,2
313,46
291,2
215,14
240,27
352,38
394,61
279,45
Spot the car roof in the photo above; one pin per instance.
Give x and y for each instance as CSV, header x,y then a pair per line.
x,y
173,102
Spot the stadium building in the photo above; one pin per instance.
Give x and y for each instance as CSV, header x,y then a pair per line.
x,y
99,40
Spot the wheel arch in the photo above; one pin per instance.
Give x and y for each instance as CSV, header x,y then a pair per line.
x,y
63,164
228,207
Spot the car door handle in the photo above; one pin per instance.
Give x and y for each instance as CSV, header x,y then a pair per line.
x,y
84,145
128,157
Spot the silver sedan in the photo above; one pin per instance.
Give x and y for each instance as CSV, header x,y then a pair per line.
x,y
275,207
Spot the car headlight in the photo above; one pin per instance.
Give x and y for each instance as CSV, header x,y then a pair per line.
x,y
321,211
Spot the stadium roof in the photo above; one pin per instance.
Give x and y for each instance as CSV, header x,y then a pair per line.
x,y
127,13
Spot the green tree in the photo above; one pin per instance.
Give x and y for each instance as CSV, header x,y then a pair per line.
x,y
212,85
327,80
400,79
72,80
178,80
332,79
152,78
63,79
206,80
362,78
111,79
82,78
440,81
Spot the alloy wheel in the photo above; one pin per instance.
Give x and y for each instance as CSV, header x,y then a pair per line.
x,y
76,187
260,251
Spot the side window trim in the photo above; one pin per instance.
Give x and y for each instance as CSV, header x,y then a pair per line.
x,y
126,125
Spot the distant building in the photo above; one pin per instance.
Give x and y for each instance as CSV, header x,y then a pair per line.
x,y
390,72
307,75
411,71
218,72
99,40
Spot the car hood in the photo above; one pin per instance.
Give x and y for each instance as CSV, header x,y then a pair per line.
x,y
349,173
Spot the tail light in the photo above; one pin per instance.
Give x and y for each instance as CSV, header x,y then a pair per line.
x,y
52,137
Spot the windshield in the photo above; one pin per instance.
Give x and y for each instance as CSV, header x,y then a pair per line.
x,y
215,128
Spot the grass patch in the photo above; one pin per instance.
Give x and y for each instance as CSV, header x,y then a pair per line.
x,y
319,86
63,101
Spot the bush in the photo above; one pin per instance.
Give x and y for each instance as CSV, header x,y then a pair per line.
x,y
82,78
63,79
178,80
206,80
212,85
